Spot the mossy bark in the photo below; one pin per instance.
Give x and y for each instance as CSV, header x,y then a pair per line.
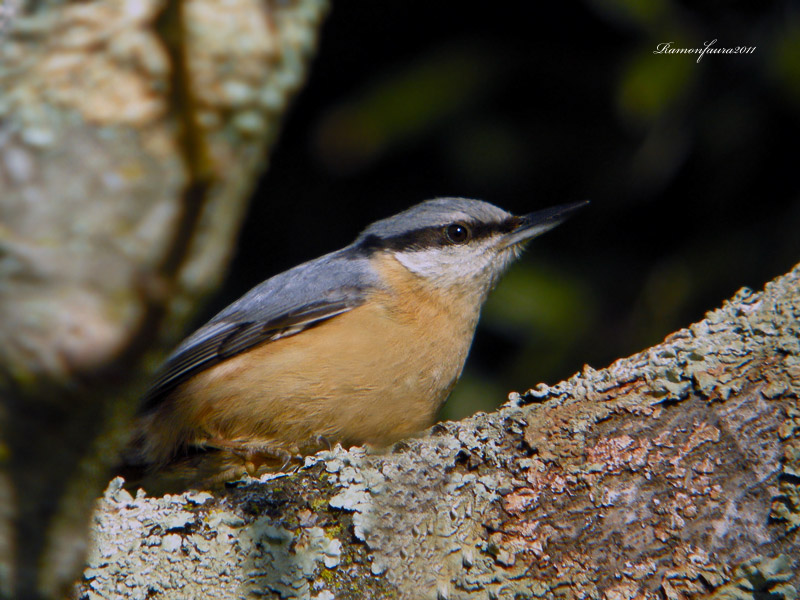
x,y
674,473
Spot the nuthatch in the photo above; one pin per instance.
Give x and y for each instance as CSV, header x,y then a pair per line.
x,y
360,346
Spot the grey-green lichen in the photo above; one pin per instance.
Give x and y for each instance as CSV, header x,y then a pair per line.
x,y
668,475
189,546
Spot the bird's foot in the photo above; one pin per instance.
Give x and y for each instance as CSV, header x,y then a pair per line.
x,y
257,457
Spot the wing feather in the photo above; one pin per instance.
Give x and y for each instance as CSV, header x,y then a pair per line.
x,y
282,306
228,340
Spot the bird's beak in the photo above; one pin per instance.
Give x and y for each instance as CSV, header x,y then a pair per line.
x,y
537,223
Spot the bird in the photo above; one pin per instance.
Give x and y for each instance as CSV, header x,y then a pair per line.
x,y
361,346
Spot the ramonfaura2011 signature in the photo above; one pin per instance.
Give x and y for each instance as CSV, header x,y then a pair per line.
x,y
708,47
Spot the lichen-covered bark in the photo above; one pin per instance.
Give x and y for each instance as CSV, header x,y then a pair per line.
x,y
131,132
674,473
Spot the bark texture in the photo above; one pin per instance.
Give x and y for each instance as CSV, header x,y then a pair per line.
x,y
131,133
674,473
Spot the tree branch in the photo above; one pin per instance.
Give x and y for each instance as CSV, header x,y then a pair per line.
x,y
673,473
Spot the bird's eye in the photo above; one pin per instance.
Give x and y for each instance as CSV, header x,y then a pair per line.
x,y
458,233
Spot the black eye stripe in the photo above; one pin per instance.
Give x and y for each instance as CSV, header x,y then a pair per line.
x,y
435,237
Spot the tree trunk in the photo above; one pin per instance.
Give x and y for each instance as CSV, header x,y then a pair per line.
x,y
131,133
674,473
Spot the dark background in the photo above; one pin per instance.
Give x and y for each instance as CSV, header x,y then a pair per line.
x,y
691,167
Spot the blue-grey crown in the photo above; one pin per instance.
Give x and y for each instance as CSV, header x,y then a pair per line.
x,y
436,213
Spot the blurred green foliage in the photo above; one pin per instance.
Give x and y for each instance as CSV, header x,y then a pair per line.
x,y
651,85
785,61
405,105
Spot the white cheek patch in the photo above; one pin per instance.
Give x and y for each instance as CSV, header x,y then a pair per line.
x,y
438,263
454,265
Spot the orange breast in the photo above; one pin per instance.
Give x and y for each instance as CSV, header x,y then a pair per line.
x,y
372,375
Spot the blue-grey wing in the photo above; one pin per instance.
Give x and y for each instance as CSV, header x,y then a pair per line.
x,y
281,306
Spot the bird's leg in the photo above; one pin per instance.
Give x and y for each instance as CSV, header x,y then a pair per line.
x,y
314,444
255,454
